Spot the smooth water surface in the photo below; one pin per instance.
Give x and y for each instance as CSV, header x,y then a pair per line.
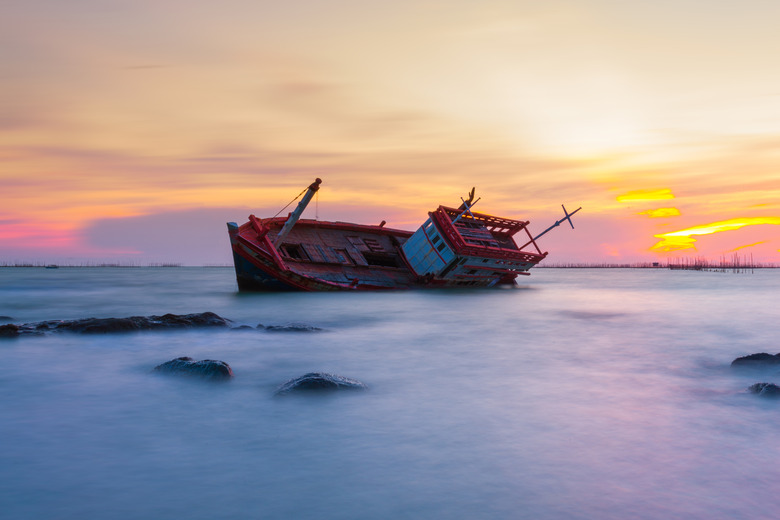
x,y
582,394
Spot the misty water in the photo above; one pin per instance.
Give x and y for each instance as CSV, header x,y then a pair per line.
x,y
582,394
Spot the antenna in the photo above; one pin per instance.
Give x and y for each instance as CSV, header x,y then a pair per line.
x,y
558,222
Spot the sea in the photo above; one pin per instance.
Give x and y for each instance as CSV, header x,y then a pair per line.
x,y
580,394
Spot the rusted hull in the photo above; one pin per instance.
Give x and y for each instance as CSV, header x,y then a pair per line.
x,y
250,277
259,269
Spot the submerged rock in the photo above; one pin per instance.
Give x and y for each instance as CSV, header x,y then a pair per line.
x,y
290,327
319,382
133,323
202,319
765,389
759,360
206,368
102,325
243,327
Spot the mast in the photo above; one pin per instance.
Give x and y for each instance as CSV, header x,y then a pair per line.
x,y
295,215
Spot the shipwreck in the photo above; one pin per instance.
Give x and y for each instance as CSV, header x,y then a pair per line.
x,y
454,247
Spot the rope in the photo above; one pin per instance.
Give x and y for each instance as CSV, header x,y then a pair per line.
x,y
296,198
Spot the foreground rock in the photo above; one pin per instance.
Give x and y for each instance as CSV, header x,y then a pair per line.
x,y
111,325
319,382
762,359
765,390
9,331
206,368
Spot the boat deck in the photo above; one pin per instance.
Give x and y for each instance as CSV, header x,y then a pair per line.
x,y
346,254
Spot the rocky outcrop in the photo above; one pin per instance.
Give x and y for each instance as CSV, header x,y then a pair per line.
x,y
138,323
765,390
206,368
114,325
762,359
319,382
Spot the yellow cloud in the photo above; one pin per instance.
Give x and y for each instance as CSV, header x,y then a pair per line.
x,y
747,245
645,195
678,240
661,212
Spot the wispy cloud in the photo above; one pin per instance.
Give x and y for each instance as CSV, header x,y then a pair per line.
x,y
646,195
683,239
747,245
661,212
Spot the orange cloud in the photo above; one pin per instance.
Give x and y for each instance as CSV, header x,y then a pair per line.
x,y
661,212
678,240
645,195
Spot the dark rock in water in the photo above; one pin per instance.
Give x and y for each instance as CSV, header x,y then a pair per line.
x,y
202,319
761,359
765,389
243,327
6,318
206,368
290,327
133,323
101,325
319,382
9,331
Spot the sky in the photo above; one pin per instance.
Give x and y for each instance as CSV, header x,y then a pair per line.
x,y
132,130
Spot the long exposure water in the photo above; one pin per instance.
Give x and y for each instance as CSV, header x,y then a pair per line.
x,y
582,394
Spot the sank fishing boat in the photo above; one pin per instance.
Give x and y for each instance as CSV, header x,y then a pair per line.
x,y
455,247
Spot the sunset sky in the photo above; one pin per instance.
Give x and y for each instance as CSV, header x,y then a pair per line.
x,y
131,131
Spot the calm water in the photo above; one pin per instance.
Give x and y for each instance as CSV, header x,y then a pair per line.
x,y
584,394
